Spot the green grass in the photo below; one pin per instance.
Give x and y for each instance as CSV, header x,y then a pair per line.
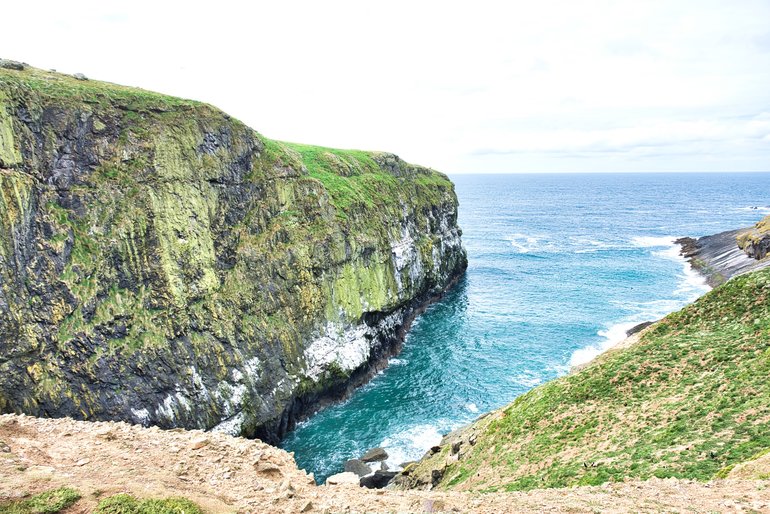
x,y
690,399
68,90
354,178
127,504
48,502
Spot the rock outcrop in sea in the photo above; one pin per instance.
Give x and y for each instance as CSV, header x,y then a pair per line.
x,y
162,263
722,256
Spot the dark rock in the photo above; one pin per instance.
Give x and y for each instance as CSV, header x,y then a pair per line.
x,y
435,449
456,448
188,273
638,328
718,257
435,476
12,65
383,466
374,455
358,467
378,479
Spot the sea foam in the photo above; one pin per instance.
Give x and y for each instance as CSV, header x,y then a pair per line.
x,y
690,285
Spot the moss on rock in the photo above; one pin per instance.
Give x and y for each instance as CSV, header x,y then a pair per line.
x,y
174,267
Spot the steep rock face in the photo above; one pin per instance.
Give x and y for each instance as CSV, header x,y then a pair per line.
x,y
722,256
164,264
756,240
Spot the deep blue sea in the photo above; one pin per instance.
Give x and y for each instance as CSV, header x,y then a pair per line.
x,y
559,267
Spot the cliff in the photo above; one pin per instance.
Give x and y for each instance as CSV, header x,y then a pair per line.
x,y
164,264
689,399
720,257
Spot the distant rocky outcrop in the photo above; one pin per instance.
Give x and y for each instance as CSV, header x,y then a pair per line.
x,y
722,256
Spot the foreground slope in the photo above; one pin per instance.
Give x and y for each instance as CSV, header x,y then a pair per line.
x,y
690,399
226,474
162,263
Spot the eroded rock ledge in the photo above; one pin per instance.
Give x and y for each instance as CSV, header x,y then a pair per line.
x,y
722,256
161,263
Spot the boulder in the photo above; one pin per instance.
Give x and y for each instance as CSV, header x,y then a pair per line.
x,y
358,467
345,478
378,479
11,65
638,328
80,76
375,455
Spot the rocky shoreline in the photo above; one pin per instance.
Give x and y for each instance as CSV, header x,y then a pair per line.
x,y
719,257
302,407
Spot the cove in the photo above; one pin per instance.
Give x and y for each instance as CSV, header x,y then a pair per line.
x,y
559,267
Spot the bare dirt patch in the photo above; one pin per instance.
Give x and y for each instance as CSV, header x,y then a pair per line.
x,y
229,474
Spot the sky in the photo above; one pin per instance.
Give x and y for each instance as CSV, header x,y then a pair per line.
x,y
463,87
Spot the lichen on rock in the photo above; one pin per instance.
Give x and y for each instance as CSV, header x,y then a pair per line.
x,y
166,265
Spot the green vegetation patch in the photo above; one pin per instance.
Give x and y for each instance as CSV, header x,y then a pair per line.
x,y
68,90
355,178
127,504
691,398
48,502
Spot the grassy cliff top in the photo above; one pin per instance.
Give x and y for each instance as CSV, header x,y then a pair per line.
x,y
352,177
68,90
691,400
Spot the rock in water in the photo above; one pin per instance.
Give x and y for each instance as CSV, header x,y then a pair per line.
x,y
378,479
358,467
375,455
198,274
638,328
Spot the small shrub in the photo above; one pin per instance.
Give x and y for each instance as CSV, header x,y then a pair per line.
x,y
48,502
127,504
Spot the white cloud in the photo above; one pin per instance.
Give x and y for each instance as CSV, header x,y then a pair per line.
x,y
542,86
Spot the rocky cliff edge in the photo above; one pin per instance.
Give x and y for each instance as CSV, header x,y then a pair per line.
x,y
162,263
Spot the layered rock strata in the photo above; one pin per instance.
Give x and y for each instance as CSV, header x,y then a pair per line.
x,y
720,257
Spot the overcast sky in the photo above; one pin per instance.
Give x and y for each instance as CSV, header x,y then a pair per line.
x,y
526,86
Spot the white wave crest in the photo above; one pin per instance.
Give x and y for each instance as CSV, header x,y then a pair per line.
x,y
612,335
689,287
410,444
524,243
652,241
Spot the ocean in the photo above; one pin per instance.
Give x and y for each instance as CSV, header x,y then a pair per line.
x,y
560,266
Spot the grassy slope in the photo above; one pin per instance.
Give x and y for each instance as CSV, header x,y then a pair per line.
x,y
691,399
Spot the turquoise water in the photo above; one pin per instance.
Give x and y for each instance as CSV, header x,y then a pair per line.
x,y
559,267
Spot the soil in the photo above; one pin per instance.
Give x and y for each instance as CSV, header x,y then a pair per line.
x,y
230,474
